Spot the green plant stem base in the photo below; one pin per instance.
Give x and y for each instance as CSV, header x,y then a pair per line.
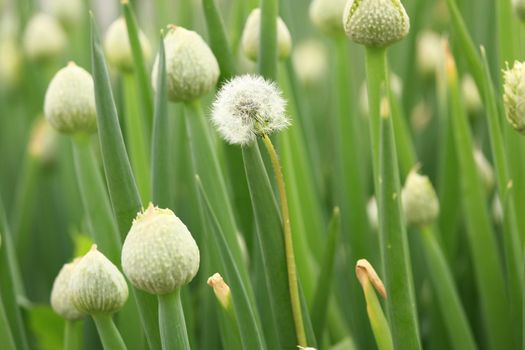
x,y
108,332
172,324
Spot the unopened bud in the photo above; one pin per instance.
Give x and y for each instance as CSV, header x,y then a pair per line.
x,y
375,23
159,254
192,69
514,95
118,48
251,37
97,286
44,38
69,104
419,200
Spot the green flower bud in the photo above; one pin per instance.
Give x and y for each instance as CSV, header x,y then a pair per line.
x,y
44,38
118,48
10,62
69,104
519,8
68,12
373,213
43,142
252,32
97,286
497,210
159,254
375,23
485,171
61,298
327,14
310,61
192,69
420,202
470,94
514,95
429,53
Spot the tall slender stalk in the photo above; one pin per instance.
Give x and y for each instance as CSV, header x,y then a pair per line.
x,y
268,43
172,324
72,335
401,305
108,332
288,243
6,336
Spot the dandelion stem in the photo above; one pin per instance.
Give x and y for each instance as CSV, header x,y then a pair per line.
x,y
288,244
173,333
108,332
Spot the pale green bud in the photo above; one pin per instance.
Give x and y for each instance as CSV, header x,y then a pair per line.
x,y
192,69
159,254
44,38
43,142
471,95
497,210
61,298
69,104
375,23
514,95
310,61
519,8
10,63
419,200
251,37
68,12
118,48
327,14
429,53
97,286
485,171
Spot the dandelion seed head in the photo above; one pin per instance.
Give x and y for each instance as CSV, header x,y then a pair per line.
x,y
248,106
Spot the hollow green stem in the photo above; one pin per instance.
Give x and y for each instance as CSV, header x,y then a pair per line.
x,y
441,277
6,336
288,244
136,137
141,74
394,245
108,332
72,335
173,333
268,42
376,73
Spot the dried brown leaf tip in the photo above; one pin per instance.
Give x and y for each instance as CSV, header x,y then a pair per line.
x,y
221,289
365,273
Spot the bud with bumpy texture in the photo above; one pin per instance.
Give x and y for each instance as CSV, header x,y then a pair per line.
x,y
118,48
159,254
251,37
327,14
246,107
61,299
420,202
97,286
514,95
192,69
44,38
375,23
69,104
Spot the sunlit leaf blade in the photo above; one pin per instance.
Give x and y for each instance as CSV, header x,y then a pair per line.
x,y
123,191
242,296
271,244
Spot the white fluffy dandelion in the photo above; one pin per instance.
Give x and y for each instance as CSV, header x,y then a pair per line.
x,y
248,106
